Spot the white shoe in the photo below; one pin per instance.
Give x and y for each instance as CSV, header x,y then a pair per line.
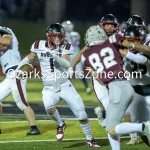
x,y
99,113
147,130
133,141
88,90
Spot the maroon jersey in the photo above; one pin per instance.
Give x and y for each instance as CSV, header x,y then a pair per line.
x,y
106,60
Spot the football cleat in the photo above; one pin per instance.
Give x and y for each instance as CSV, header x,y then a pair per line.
x,y
92,143
98,111
133,141
60,132
146,131
88,90
33,132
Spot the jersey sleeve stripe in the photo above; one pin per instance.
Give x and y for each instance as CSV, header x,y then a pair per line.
x,y
68,46
36,45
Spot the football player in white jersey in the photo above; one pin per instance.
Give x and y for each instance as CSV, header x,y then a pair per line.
x,y
10,58
53,55
73,38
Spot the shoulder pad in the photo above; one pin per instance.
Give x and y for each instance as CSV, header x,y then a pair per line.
x,y
68,49
38,45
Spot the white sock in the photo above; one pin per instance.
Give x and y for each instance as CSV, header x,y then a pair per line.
x,y
57,118
125,128
114,141
87,130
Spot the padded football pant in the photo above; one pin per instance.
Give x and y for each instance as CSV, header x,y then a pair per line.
x,y
140,108
17,88
121,95
69,94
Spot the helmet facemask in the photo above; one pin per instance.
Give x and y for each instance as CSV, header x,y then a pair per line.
x,y
109,27
55,35
55,39
111,20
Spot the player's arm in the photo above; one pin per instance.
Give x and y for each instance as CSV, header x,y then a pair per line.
x,y
3,47
27,59
137,58
77,59
94,74
6,39
62,61
138,47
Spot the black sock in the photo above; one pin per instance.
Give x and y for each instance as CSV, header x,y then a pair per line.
x,y
143,126
33,127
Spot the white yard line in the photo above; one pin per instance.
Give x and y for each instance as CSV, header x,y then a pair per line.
x,y
54,140
70,119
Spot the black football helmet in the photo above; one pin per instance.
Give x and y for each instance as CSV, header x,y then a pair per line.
x,y
53,31
109,19
132,33
137,21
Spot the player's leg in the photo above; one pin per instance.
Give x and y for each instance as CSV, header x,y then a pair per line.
x,y
119,100
140,104
101,93
50,99
75,103
5,91
18,89
134,138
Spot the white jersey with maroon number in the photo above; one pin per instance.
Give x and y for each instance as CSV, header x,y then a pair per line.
x,y
11,56
52,74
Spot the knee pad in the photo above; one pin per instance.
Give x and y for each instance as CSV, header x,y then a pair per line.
x,y
111,131
50,111
81,115
21,106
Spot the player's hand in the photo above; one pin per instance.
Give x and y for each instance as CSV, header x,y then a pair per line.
x,y
70,72
127,44
123,52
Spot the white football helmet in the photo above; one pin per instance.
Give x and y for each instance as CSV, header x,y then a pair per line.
x,y
94,35
68,26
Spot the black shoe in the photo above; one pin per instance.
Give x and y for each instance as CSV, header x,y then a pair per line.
x,y
92,143
33,132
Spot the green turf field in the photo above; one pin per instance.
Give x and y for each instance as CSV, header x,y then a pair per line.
x,y
14,137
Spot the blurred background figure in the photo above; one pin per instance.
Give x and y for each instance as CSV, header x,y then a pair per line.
x,y
73,38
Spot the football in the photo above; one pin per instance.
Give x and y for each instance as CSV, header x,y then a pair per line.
x,y
24,70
